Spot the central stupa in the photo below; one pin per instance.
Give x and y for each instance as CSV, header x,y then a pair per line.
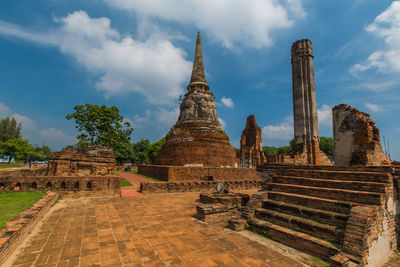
x,y
197,138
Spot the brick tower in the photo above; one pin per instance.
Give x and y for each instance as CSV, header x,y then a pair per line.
x,y
306,133
197,138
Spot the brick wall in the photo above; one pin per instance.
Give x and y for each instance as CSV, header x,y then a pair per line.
x,y
196,186
182,173
90,185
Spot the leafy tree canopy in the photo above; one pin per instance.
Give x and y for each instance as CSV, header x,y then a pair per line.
x,y
16,148
154,148
40,153
101,125
326,145
9,129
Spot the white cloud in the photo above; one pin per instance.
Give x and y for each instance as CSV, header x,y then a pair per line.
x,y
26,122
228,21
227,102
281,131
387,27
56,137
325,115
163,116
4,110
154,68
222,122
52,133
372,107
167,117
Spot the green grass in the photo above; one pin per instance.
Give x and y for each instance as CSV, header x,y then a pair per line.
x,y
4,165
319,261
135,171
13,203
125,183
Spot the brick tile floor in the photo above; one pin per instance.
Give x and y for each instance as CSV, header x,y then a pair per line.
x,y
135,180
152,230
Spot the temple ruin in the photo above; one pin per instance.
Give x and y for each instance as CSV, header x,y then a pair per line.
x,y
305,118
197,138
87,171
356,138
251,153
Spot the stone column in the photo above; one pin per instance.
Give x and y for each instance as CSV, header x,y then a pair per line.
x,y
304,101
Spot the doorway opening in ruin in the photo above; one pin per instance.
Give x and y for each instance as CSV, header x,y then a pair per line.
x,y
89,185
34,186
48,185
63,186
17,187
2,186
76,185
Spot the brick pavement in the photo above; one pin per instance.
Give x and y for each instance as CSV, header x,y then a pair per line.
x,y
152,230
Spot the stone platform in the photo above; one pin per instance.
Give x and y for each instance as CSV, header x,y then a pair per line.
x,y
153,230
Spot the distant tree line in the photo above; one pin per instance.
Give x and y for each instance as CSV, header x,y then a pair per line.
x,y
14,147
325,144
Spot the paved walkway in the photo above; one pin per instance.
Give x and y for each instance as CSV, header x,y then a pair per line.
x,y
135,180
152,230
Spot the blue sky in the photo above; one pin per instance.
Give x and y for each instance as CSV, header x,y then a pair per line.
x,y
137,55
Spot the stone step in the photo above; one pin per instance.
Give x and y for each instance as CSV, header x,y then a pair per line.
x,y
338,175
312,202
323,231
322,216
297,240
361,197
339,184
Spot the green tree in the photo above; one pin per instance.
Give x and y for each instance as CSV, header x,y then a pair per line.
x,y
9,129
41,153
101,125
16,148
141,151
284,150
327,146
270,150
154,148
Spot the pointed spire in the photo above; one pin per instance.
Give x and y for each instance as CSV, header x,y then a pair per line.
x,y
198,73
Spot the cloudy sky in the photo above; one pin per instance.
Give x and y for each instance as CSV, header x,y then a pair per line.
x,y
137,55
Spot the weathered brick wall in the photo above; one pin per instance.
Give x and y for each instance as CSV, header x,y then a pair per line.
x,y
196,186
182,173
13,172
356,138
15,231
91,185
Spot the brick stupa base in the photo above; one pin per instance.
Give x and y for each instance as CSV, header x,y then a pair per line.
x,y
197,144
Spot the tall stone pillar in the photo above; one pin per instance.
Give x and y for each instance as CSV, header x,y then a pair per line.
x,y
306,133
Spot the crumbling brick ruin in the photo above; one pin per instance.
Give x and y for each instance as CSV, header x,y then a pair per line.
x,y
197,138
356,138
306,133
95,160
251,153
87,171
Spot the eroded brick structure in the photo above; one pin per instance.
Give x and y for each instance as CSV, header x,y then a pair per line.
x,y
251,153
306,133
94,160
356,138
87,171
197,138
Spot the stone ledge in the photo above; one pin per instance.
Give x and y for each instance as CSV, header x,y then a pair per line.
x,y
172,187
16,230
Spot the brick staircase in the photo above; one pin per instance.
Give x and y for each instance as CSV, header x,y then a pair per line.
x,y
308,208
